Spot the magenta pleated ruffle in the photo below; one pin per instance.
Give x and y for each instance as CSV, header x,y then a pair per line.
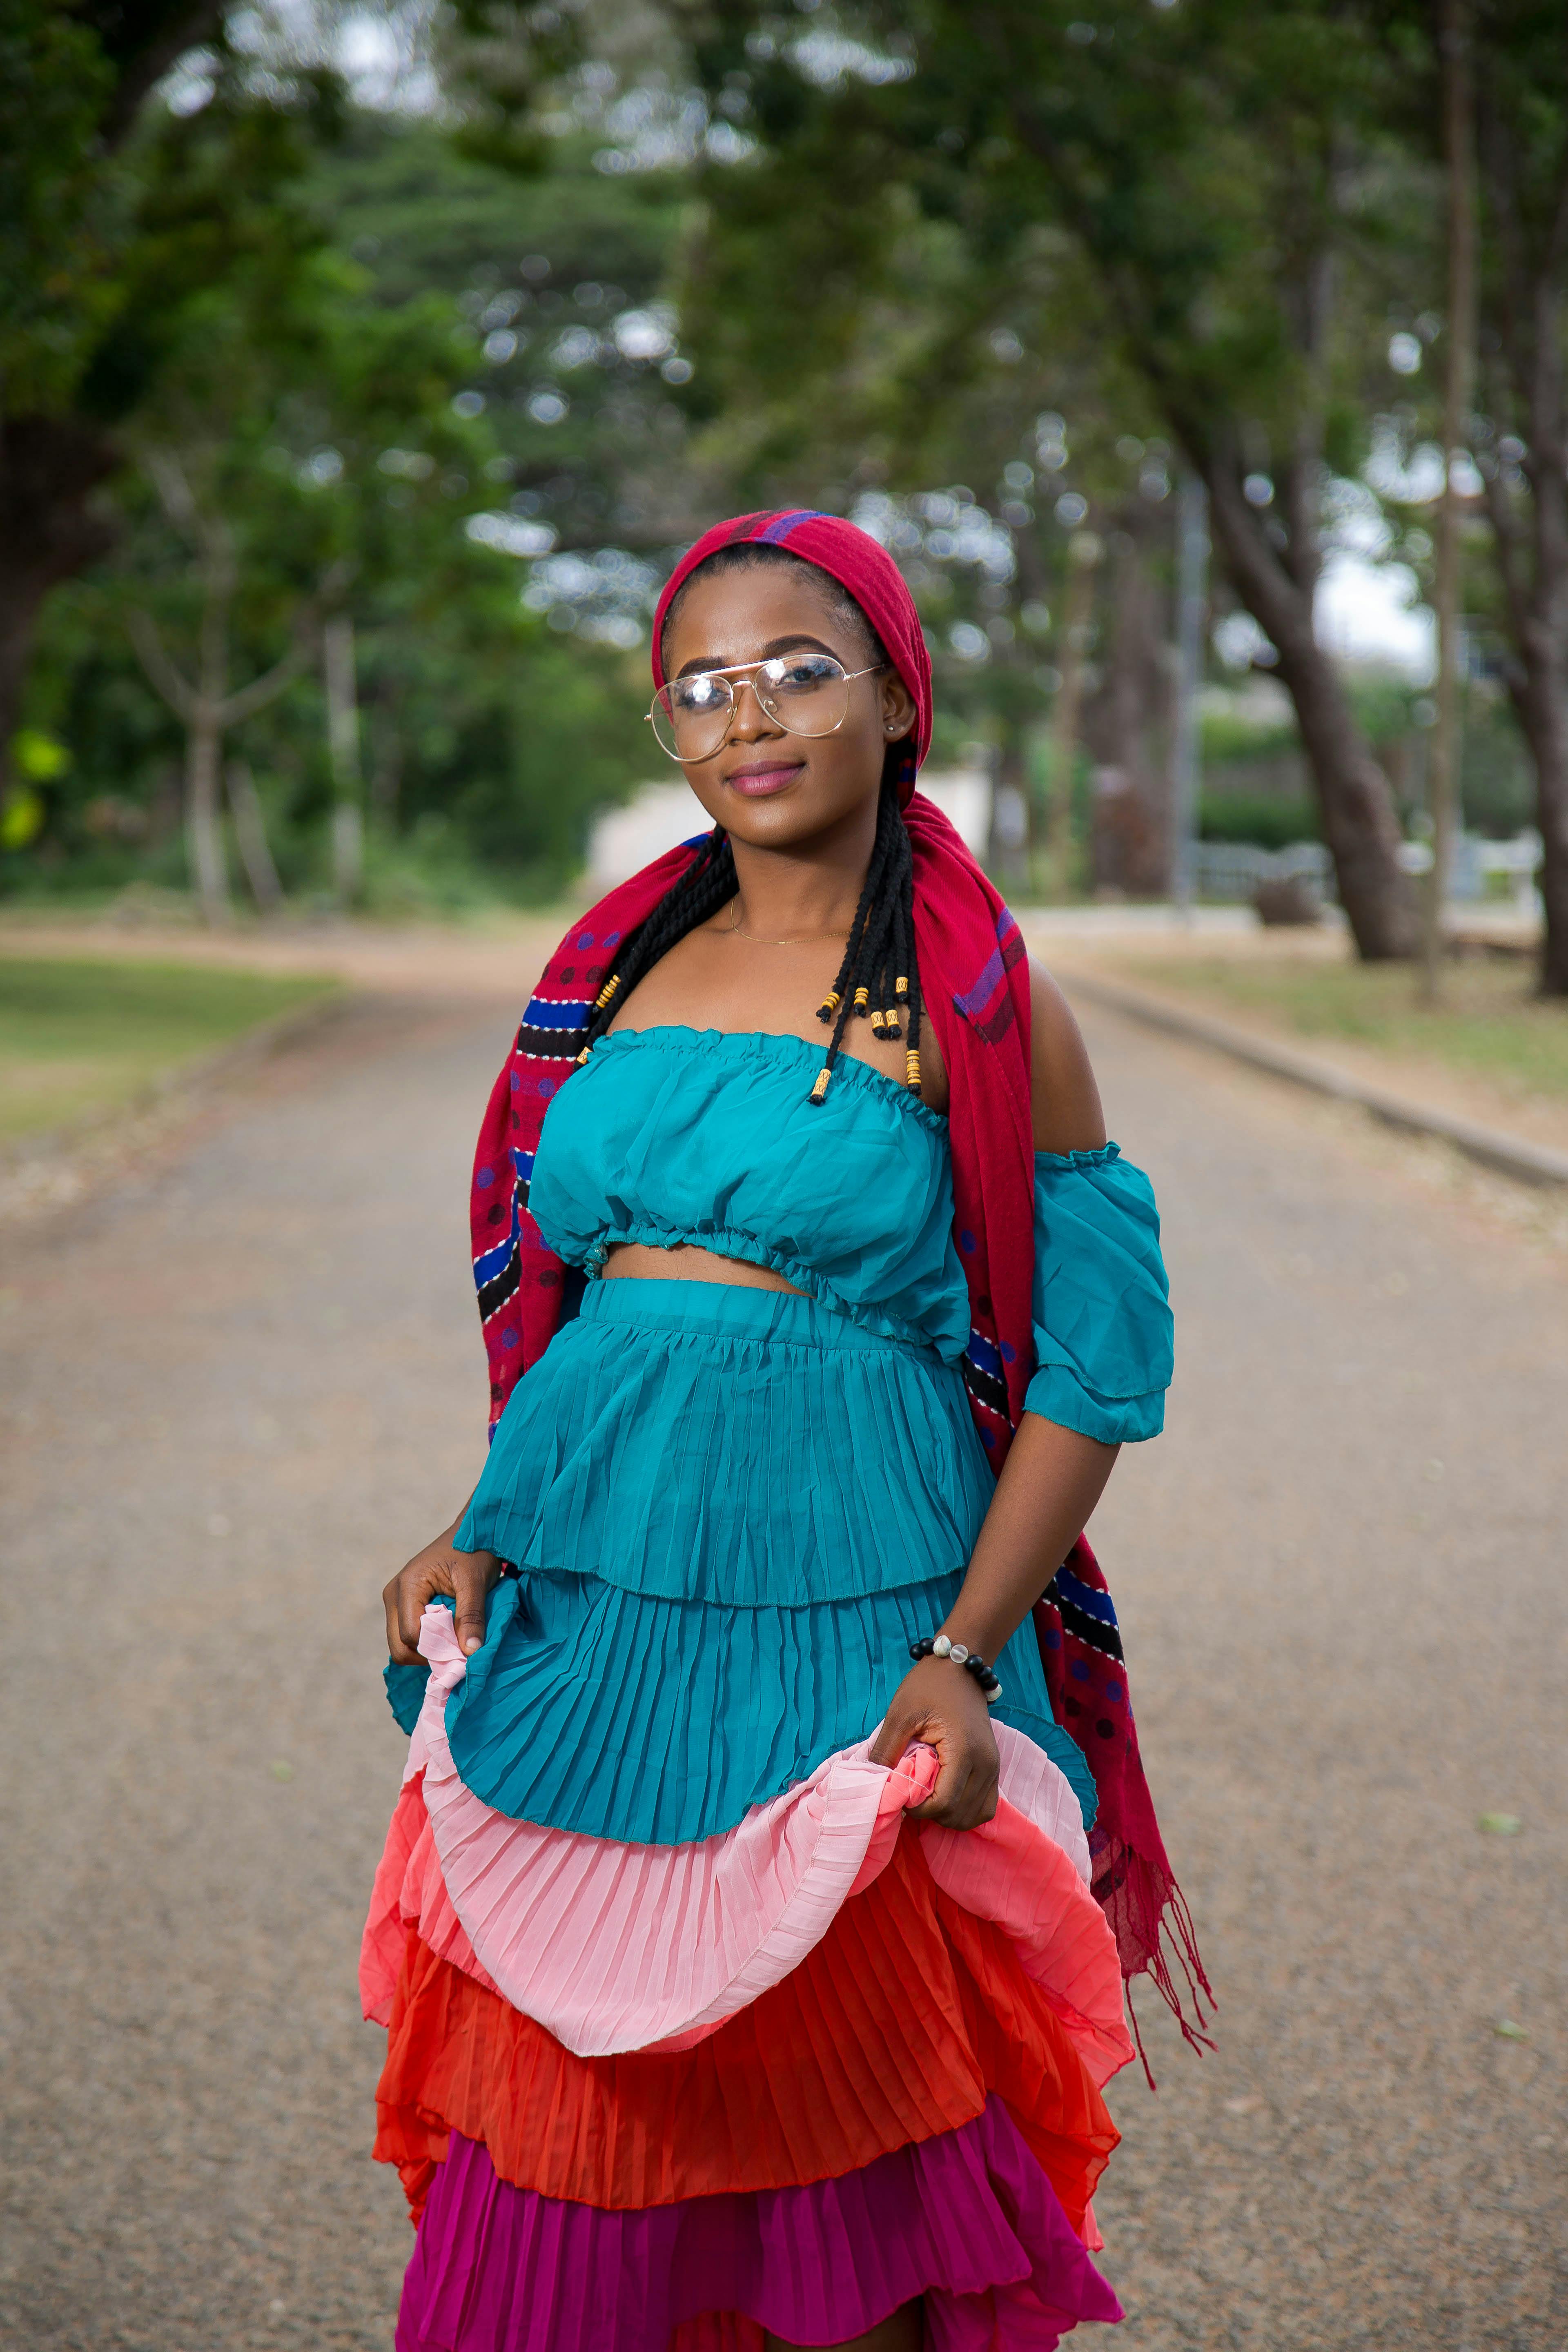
x,y
968,2220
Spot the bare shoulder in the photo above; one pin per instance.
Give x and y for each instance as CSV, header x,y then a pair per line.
x,y
1067,1115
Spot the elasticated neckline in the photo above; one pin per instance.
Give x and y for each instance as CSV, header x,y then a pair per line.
x,y
675,1036
710,1136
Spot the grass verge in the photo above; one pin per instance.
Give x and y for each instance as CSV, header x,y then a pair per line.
x,y
1489,1024
81,1039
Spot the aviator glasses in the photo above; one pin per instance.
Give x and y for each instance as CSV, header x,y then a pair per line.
x,y
804,693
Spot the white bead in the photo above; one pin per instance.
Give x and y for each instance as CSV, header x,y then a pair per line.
x,y
992,1695
942,1647
958,1653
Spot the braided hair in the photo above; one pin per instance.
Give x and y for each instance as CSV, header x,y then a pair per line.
x,y
879,979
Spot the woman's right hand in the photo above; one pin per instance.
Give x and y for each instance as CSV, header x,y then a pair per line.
x,y
466,1576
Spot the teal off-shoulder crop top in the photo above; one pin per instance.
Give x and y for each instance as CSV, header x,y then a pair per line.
x,y
707,1137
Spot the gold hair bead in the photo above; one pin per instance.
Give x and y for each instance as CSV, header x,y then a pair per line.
x,y
820,1088
901,986
583,1055
891,1029
606,992
878,1023
912,1068
862,999
829,1006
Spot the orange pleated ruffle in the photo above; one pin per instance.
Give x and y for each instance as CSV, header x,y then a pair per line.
x,y
895,2027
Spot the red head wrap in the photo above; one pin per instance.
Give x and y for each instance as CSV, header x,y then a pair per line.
x,y
852,558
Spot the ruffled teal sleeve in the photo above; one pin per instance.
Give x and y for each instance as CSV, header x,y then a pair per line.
x,y
1103,1336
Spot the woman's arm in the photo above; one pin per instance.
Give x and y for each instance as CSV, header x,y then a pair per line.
x,y
1050,1483
468,1576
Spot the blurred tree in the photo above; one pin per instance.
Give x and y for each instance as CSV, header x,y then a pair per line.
x,y
1521,436
114,219
558,284
1516,601
305,445
1194,189
206,702
340,409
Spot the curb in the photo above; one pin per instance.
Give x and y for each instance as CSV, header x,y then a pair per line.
x,y
1509,1155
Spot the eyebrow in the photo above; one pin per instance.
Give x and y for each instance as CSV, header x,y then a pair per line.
x,y
775,646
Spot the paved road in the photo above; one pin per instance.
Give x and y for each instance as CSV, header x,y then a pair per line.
x,y
240,1391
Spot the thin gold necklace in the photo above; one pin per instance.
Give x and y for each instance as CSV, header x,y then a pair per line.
x,y
757,941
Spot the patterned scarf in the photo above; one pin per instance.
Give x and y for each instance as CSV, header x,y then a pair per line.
x,y
975,973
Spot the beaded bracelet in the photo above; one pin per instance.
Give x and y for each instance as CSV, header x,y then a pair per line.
x,y
938,1645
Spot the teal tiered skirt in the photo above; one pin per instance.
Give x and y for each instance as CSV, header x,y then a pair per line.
x,y
731,1511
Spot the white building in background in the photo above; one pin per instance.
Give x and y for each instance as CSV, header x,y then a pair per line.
x,y
659,814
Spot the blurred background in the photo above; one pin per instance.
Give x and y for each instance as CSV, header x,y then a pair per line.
x,y
366,367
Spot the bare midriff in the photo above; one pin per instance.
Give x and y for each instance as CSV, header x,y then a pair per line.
x,y
687,1263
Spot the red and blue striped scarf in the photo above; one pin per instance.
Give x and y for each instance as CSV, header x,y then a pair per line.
x,y
976,983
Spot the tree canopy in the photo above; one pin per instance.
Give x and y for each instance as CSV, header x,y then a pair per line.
x,y
997,279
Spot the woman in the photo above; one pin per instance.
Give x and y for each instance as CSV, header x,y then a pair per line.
x,y
745,1981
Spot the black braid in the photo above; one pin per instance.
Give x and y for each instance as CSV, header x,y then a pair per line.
x,y
867,977
878,978
708,883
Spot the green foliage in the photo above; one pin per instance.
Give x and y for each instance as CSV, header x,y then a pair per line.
x,y
1262,820
120,222
1196,155
338,411
54,84
1231,735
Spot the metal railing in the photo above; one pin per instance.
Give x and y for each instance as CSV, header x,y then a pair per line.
x,y
1227,873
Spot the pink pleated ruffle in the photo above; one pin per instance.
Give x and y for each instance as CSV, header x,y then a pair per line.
x,y
968,2220
615,1947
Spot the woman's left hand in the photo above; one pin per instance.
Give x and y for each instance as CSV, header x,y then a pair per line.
x,y
938,1703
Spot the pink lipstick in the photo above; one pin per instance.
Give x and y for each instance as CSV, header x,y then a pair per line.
x,y
755,784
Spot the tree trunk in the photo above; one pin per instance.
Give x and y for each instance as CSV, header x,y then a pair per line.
x,y
250,834
1554,881
1007,843
1077,615
1458,376
204,825
1354,798
48,470
1525,366
342,740
1124,720
1541,705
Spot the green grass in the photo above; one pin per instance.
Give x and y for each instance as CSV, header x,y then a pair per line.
x,y
1489,1025
81,1038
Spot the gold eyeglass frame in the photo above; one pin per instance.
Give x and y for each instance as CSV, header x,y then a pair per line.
x,y
734,669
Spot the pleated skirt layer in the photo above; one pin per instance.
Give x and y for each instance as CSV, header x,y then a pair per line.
x,y
698,1441
733,1511
896,2027
966,2220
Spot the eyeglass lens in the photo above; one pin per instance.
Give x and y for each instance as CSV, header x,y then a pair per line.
x,y
806,693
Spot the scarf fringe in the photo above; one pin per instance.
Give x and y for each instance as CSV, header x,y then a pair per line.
x,y
1153,1923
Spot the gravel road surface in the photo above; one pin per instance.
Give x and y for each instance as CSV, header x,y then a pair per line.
x,y
241,1387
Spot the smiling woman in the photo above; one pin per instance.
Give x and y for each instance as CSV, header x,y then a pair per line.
x,y
748,1977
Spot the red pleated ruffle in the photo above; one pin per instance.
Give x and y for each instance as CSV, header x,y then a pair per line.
x,y
894,2028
